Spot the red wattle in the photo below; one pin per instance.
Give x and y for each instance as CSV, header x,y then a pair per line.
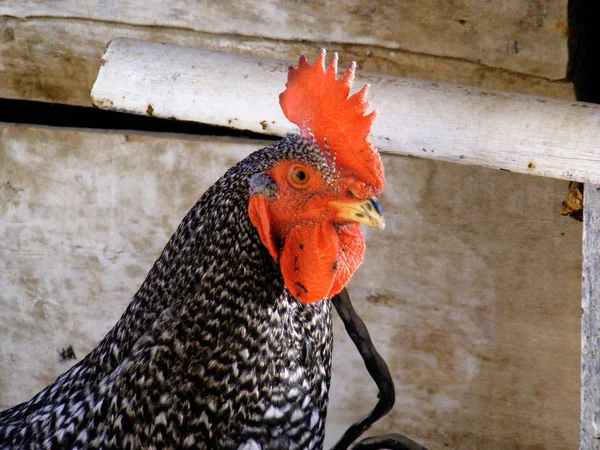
x,y
309,259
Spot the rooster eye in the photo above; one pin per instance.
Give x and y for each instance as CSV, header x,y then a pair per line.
x,y
299,176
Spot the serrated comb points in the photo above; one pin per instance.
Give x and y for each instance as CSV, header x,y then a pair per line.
x,y
318,103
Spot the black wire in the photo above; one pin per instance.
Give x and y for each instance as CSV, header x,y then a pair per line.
x,y
378,369
390,441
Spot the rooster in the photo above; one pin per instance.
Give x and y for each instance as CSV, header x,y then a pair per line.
x,y
227,344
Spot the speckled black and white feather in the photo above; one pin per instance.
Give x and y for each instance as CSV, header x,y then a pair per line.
x,y
212,353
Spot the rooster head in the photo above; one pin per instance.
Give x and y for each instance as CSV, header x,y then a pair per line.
x,y
310,221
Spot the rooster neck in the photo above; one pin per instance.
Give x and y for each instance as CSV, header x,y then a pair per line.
x,y
212,335
214,258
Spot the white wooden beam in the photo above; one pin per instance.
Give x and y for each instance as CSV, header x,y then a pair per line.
x,y
526,134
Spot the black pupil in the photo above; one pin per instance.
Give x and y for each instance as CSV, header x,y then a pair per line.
x,y
301,175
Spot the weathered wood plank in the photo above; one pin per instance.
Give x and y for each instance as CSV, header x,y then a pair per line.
x,y
522,36
471,293
590,322
57,59
531,135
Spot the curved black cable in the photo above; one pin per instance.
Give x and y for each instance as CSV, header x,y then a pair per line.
x,y
392,441
378,369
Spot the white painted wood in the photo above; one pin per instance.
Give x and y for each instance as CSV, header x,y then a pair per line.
x,y
192,84
526,134
590,322
525,36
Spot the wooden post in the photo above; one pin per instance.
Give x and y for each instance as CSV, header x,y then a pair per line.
x,y
590,322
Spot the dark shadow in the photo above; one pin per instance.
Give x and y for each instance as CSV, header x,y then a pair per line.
x,y
56,115
584,49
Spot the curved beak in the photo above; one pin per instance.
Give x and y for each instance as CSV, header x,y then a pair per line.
x,y
369,212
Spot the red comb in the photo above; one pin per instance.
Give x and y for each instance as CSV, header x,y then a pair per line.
x,y
318,103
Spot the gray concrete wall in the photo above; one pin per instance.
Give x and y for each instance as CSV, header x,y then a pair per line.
x,y
472,292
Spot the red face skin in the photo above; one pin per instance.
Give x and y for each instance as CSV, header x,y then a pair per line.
x,y
312,227
318,251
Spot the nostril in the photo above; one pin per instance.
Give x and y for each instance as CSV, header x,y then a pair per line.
x,y
354,193
375,203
